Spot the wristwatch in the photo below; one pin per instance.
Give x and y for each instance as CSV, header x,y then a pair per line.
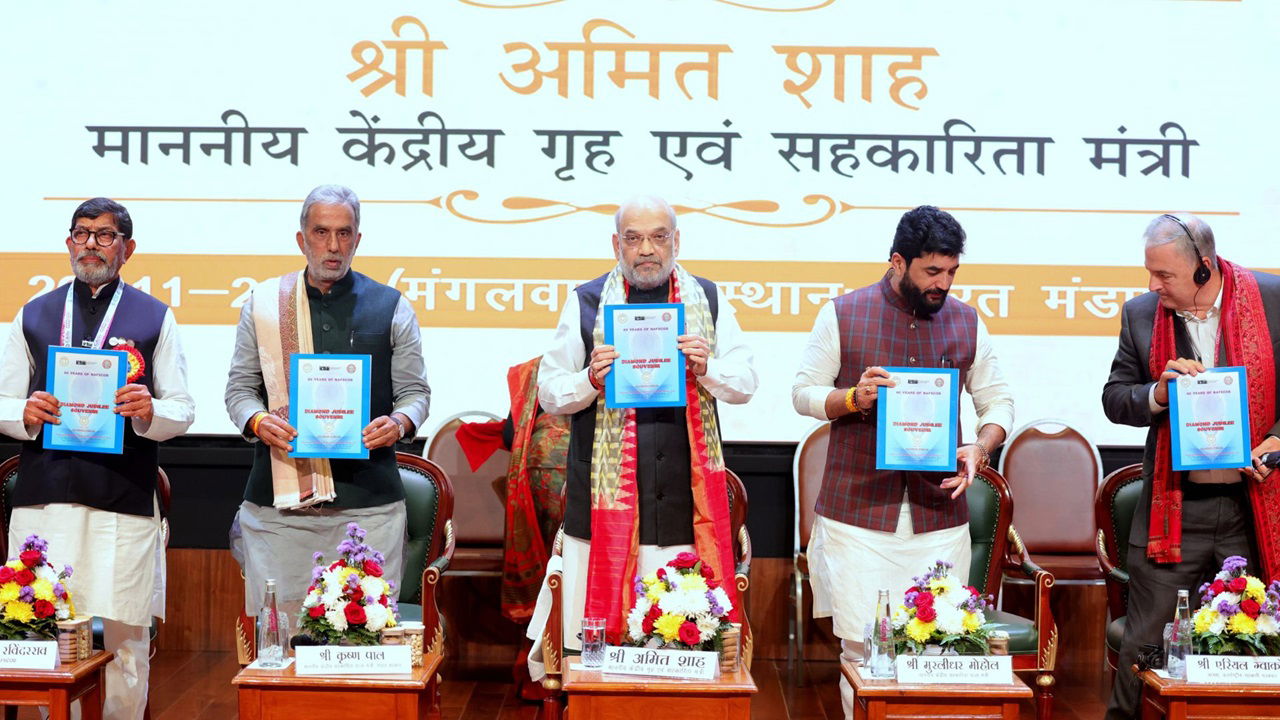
x,y
399,422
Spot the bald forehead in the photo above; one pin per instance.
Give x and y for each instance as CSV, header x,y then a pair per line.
x,y
648,213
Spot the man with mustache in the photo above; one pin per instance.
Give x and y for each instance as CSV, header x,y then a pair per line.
x,y
99,512
1202,312
877,528
640,508
294,507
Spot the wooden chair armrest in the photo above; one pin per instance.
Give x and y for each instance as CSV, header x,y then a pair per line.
x,y
744,557
1104,563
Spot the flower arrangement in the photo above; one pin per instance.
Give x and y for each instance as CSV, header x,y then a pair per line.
x,y
938,610
33,596
679,606
1238,615
348,600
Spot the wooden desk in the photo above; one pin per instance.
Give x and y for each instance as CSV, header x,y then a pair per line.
x,y
1162,697
625,697
283,695
891,699
59,687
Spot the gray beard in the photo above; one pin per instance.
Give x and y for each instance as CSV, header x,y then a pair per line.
x,y
95,276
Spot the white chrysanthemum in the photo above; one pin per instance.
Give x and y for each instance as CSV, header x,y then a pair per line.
x,y
373,587
45,572
337,619
1217,626
375,617
62,610
1230,597
707,626
950,619
899,618
722,599
1267,625
311,600
635,619
684,602
332,588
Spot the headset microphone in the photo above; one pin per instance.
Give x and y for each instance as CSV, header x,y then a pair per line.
x,y
1202,274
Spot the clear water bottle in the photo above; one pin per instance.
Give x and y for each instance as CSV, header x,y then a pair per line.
x,y
273,631
1180,638
880,660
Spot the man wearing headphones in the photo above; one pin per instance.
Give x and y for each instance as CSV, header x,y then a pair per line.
x,y
1202,312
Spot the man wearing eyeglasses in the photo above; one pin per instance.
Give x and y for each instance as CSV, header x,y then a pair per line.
x,y
295,506
99,512
641,508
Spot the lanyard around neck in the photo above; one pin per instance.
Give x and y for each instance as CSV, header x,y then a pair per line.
x,y
103,329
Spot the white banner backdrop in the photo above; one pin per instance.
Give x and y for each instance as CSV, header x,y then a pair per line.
x,y
491,142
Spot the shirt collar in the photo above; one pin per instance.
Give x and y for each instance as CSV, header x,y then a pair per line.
x,y
1210,314
84,294
338,289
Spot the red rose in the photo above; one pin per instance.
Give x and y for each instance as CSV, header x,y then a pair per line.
x,y
647,625
713,583
926,613
924,599
654,613
689,634
1238,584
382,601
6,574
44,609
354,613
1217,587
1250,607
30,558
372,568
24,577
316,612
707,572
356,595
662,573
972,590
911,591
684,561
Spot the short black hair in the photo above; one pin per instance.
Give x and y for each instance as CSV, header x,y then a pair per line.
x,y
926,230
105,206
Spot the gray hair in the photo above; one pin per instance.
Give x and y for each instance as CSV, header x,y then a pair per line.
x,y
1164,230
644,201
331,195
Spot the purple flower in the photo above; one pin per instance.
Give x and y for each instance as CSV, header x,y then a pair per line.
x,y
379,558
346,547
639,586
66,571
317,557
1234,565
391,584
316,573
715,609
58,589
27,594
357,558
353,581
1226,609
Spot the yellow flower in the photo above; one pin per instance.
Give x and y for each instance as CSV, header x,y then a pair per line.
x,y
693,583
920,631
1255,589
1242,624
9,592
654,592
1205,617
972,622
43,590
17,564
668,626
19,612
936,586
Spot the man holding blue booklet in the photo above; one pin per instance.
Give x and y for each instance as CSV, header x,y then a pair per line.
x,y
298,497
95,503
643,482
1202,313
876,528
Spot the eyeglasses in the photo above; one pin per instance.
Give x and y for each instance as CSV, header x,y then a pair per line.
x,y
659,240
105,237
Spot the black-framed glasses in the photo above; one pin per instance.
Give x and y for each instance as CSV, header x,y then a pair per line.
x,y
105,237
660,240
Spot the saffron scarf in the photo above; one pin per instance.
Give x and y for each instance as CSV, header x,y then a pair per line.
x,y
614,498
282,325
1243,331
524,554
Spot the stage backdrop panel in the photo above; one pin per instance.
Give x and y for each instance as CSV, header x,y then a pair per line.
x,y
491,142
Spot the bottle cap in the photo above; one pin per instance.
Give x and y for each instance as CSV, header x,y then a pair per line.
x,y
271,584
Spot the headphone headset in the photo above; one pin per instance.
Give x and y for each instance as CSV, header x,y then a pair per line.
x,y
1202,274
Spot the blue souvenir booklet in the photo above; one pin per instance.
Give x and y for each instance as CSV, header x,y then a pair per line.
x,y
917,421
329,405
649,369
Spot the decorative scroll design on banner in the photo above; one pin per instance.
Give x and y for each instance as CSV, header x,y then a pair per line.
x,y
553,209
518,6
806,8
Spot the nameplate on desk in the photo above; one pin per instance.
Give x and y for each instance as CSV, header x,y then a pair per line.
x,y
682,664
1233,669
352,660
957,669
28,654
